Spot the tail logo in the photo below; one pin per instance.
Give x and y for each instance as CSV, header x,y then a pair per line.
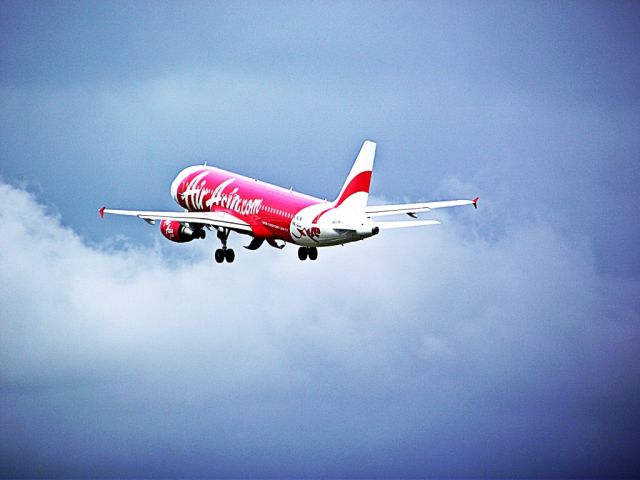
x,y
359,183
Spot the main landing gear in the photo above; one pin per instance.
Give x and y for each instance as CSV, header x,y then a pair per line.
x,y
307,252
224,253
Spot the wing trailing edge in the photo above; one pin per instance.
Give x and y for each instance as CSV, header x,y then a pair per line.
x,y
215,219
406,224
412,209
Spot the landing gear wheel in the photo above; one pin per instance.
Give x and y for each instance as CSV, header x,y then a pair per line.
x,y
223,253
302,253
313,253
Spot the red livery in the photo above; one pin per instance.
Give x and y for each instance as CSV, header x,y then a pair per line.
x,y
226,202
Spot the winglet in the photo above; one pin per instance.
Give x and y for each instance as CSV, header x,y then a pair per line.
x,y
475,202
101,211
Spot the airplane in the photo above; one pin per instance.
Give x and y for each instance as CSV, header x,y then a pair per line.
x,y
215,199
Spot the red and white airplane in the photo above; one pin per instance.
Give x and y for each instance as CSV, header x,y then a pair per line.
x,y
227,202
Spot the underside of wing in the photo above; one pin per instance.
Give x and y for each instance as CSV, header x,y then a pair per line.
x,y
214,219
412,209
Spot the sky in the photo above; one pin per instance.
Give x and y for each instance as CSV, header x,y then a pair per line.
x,y
502,343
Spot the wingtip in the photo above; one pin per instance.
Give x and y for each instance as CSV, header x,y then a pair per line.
x,y
475,202
101,211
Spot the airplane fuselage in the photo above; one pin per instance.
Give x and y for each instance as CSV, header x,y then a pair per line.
x,y
274,213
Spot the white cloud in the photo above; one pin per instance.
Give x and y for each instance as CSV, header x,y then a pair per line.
x,y
397,351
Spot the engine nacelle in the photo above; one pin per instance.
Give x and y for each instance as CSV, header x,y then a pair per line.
x,y
179,232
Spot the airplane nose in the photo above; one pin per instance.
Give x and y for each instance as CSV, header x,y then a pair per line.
x,y
375,230
174,187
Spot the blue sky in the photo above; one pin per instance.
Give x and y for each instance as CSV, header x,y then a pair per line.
x,y
501,343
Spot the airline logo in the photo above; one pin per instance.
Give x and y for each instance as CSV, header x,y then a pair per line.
x,y
312,232
198,196
167,227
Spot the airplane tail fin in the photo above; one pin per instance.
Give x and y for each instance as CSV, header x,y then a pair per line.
x,y
355,191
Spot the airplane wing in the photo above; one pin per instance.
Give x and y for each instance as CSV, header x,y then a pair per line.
x,y
215,219
410,223
412,209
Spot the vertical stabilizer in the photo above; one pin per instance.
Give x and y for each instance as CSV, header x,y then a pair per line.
x,y
355,191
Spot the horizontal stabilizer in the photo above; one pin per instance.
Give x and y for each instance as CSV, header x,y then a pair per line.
x,y
406,224
341,227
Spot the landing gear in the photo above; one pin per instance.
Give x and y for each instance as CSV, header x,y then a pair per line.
x,y
224,253
307,252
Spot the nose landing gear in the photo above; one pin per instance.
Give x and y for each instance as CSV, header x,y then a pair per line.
x,y
307,252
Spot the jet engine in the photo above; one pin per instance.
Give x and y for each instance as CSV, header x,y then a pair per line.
x,y
180,232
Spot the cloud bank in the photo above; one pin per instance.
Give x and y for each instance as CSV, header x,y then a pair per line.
x,y
438,352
